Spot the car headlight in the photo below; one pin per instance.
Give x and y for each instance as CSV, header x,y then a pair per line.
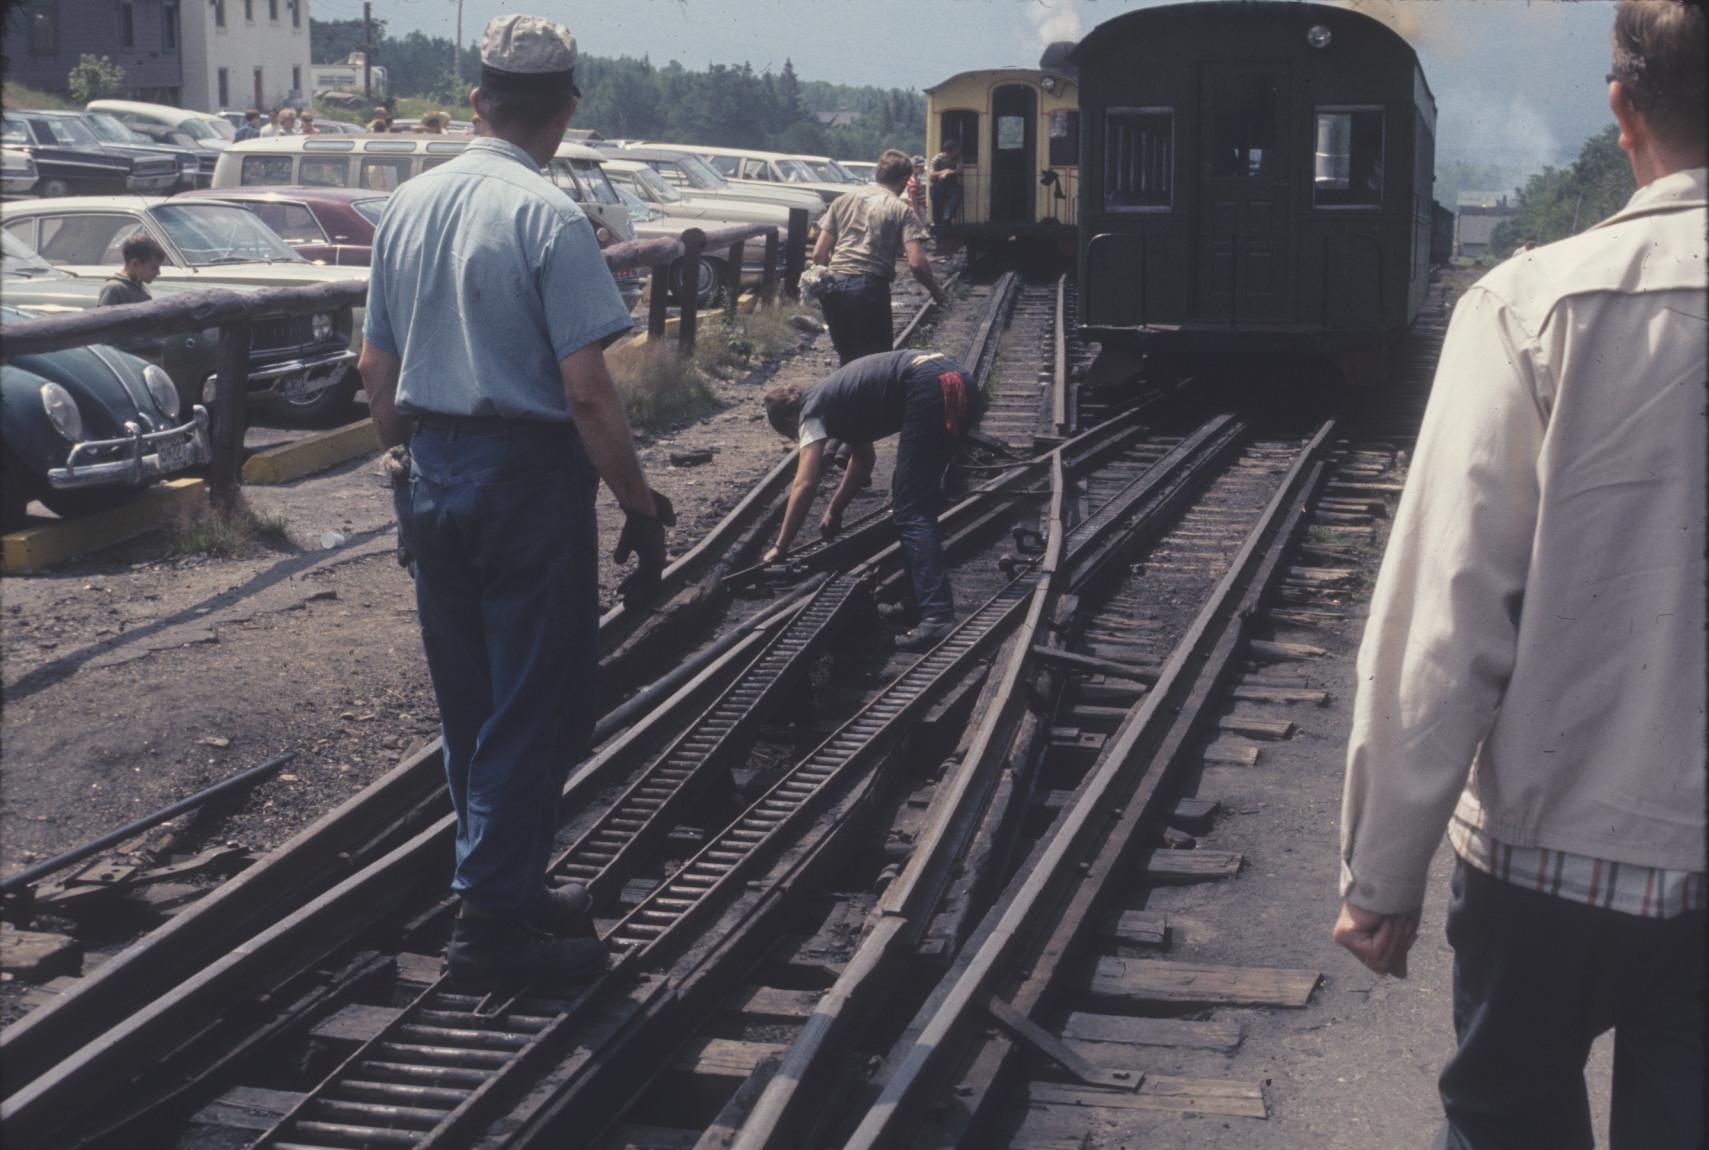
x,y
62,411
322,325
162,390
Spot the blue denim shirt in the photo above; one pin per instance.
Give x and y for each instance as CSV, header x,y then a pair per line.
x,y
485,275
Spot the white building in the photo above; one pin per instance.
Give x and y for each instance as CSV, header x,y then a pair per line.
x,y
245,53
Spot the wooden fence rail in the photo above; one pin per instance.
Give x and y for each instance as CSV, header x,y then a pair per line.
x,y
234,313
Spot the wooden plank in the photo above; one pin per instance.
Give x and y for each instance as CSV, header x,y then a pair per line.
x,y
38,955
356,1023
775,1005
1179,1095
1086,1029
247,1108
1145,928
1255,728
419,969
1194,814
1229,751
1281,695
1269,652
1171,867
724,1057
1141,982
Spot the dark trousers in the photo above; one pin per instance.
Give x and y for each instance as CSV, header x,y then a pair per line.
x,y
1536,980
946,202
857,310
923,452
499,515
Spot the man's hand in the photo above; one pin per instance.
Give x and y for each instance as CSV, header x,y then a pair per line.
x,y
1380,941
830,523
644,537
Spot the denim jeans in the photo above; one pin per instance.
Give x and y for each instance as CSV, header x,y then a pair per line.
x,y
499,515
1536,980
857,311
946,202
923,452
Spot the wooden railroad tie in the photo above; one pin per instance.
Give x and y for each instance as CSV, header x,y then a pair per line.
x,y
1087,1029
1164,867
1143,982
1051,1102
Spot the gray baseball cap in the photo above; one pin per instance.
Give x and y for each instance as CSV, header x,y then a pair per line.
x,y
528,53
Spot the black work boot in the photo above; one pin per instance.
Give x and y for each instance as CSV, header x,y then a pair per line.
x,y
486,947
568,912
927,635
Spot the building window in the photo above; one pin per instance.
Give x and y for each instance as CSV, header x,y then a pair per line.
x,y
1065,137
273,10
296,12
169,26
296,78
962,126
1347,169
1139,158
249,11
127,24
225,87
219,13
260,92
44,30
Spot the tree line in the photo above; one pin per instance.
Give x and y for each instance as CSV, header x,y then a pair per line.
x,y
627,98
1560,202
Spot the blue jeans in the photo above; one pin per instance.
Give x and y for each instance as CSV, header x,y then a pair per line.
x,y
923,452
1536,980
499,515
857,312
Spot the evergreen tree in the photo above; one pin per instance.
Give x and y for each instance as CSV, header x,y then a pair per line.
x,y
1559,202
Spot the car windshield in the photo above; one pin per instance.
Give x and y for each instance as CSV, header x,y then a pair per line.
x,y
72,133
844,174
823,171
370,210
657,185
110,130
702,174
591,174
222,234
640,211
199,128
17,261
795,172
13,131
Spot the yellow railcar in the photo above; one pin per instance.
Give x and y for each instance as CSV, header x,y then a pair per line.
x,y
1019,130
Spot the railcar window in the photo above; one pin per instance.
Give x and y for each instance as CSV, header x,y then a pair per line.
x,y
961,125
1065,138
1347,170
1139,158
1243,122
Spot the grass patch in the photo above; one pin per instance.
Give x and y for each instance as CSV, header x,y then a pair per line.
x,y
728,346
203,530
659,387
15,95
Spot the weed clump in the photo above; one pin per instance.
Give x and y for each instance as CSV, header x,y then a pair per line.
x,y
206,530
658,386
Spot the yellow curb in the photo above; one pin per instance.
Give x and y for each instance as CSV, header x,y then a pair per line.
x,y
310,454
35,549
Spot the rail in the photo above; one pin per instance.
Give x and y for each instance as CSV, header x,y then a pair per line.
x,y
235,313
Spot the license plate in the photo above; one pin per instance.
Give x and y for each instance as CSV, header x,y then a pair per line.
x,y
174,455
294,386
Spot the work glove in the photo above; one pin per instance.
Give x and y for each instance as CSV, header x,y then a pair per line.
x,y
644,537
394,468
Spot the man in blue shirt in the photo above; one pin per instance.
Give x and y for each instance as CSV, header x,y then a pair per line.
x,y
489,308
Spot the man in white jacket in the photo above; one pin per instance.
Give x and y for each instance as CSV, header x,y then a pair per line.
x,y
1532,676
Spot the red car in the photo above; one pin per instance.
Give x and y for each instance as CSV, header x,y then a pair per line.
x,y
326,225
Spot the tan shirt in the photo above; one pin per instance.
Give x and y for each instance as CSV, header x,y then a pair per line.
x,y
869,227
1534,660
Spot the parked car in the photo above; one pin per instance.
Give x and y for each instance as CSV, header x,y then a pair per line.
x,y
207,133
116,136
207,245
651,223
747,166
696,211
829,171
18,173
280,349
71,161
863,170
84,426
324,225
691,174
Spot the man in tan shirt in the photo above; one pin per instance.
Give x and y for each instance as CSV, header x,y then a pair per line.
x,y
1532,676
860,236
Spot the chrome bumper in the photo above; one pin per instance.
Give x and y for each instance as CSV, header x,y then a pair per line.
x,y
294,378
148,185
142,462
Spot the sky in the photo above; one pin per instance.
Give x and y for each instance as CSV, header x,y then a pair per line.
x,y
1517,82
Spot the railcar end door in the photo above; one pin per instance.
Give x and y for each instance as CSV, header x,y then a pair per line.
x,y
1014,153
1243,217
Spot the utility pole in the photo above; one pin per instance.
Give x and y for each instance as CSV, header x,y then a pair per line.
x,y
457,48
367,51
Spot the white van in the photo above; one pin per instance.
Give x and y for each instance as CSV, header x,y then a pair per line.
x,y
381,162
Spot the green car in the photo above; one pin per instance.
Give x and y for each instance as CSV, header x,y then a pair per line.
x,y
84,427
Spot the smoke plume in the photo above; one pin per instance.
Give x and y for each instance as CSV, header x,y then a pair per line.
x,y
1055,20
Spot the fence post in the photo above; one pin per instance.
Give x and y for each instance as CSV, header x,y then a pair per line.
x,y
231,414
796,252
768,278
693,243
658,302
733,290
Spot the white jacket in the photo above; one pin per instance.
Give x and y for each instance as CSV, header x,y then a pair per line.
x,y
1538,624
